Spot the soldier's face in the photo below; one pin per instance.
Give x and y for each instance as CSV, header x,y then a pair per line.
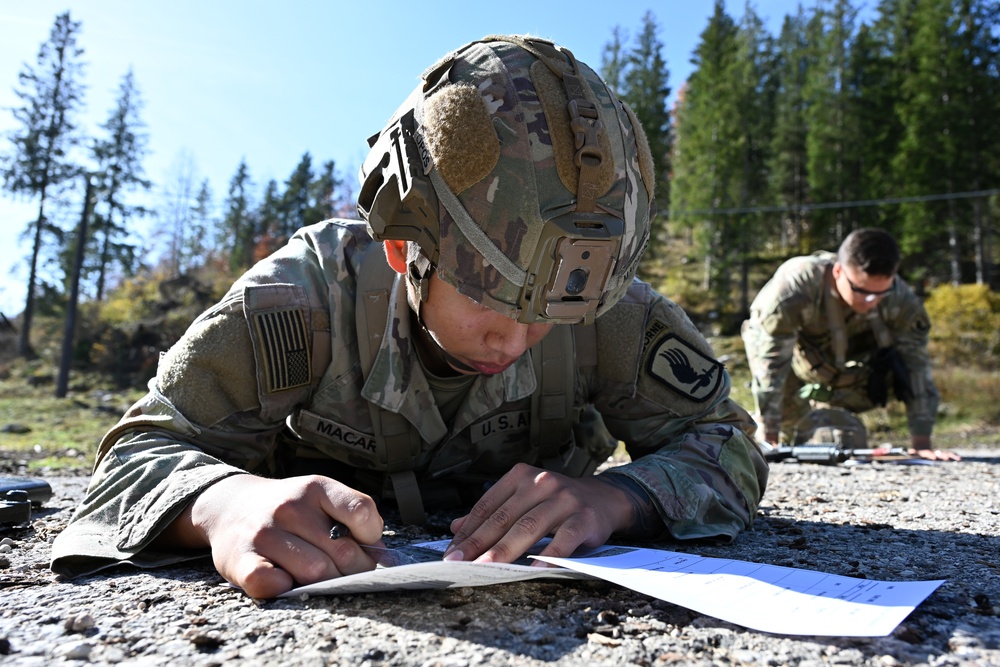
x,y
859,290
481,338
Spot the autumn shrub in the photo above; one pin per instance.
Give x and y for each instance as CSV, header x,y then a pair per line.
x,y
965,325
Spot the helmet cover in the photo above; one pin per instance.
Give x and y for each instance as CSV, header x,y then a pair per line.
x,y
522,178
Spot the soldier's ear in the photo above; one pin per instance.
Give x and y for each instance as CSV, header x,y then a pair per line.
x,y
395,254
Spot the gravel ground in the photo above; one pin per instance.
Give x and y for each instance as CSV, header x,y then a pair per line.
x,y
880,521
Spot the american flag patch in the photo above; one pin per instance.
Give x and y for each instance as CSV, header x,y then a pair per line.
x,y
284,348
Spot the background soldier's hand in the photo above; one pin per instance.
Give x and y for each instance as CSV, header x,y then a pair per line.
x,y
267,535
528,504
921,446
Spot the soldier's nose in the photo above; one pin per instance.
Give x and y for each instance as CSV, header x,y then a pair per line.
x,y
509,337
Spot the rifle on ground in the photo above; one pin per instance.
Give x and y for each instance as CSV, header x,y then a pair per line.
x,y
831,454
18,495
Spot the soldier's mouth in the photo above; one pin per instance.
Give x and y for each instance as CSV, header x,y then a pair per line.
x,y
491,369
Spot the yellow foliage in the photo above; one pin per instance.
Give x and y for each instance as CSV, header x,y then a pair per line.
x,y
131,301
965,323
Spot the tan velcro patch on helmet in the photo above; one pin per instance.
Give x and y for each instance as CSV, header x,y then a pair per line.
x,y
646,165
554,103
460,135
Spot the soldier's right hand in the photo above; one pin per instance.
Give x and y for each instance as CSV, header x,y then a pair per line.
x,y
269,535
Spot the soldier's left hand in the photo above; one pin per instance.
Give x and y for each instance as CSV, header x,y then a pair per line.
x,y
528,504
936,454
920,445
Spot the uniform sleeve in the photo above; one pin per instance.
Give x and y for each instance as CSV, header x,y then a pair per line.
x,y
215,409
692,447
911,327
770,336
169,447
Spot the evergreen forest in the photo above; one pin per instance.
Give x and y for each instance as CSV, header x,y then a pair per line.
x,y
776,145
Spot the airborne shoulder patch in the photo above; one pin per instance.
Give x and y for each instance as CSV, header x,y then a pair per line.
x,y
688,371
284,348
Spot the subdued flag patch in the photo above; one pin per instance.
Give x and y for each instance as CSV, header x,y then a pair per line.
x,y
284,346
689,372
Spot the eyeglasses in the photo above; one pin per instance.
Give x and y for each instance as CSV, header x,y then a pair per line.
x,y
867,294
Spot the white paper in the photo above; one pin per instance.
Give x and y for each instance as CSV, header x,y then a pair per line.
x,y
433,574
770,598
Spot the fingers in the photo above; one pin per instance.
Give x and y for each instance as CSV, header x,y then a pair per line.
x,y
523,507
935,454
267,535
278,565
258,577
309,561
355,510
490,518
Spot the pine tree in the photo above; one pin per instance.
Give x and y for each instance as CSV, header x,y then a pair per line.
x,y
872,85
832,139
613,60
239,228
119,157
202,221
946,142
755,99
322,192
175,215
41,161
296,199
269,217
707,156
787,159
646,90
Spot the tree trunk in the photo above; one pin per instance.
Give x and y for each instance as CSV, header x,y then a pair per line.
x,y
956,266
62,385
24,343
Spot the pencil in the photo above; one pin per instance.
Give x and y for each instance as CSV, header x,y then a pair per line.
x,y
339,530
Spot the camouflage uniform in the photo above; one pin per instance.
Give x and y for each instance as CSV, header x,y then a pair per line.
x,y
789,330
269,381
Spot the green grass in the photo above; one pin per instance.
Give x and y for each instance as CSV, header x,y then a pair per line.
x,y
62,433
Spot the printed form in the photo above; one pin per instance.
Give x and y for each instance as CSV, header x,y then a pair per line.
x,y
769,598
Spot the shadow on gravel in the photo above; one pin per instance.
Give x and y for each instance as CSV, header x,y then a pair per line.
x,y
544,620
982,459
547,620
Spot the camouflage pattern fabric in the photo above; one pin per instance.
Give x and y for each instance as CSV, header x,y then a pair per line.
x,y
239,392
525,188
790,312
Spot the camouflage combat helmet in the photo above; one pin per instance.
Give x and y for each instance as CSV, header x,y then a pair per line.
x,y
522,179
828,426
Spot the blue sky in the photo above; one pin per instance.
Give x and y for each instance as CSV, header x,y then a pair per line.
x,y
267,81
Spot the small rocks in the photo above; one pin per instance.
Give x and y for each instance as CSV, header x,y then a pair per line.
x,y
79,623
74,650
179,615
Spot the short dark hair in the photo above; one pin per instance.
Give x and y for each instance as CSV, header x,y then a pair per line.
x,y
870,250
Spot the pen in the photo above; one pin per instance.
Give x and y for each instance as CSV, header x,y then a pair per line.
x,y
339,530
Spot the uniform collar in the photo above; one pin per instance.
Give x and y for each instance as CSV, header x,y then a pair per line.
x,y
397,382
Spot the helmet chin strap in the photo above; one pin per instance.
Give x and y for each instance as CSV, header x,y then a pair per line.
x,y
431,346
418,276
